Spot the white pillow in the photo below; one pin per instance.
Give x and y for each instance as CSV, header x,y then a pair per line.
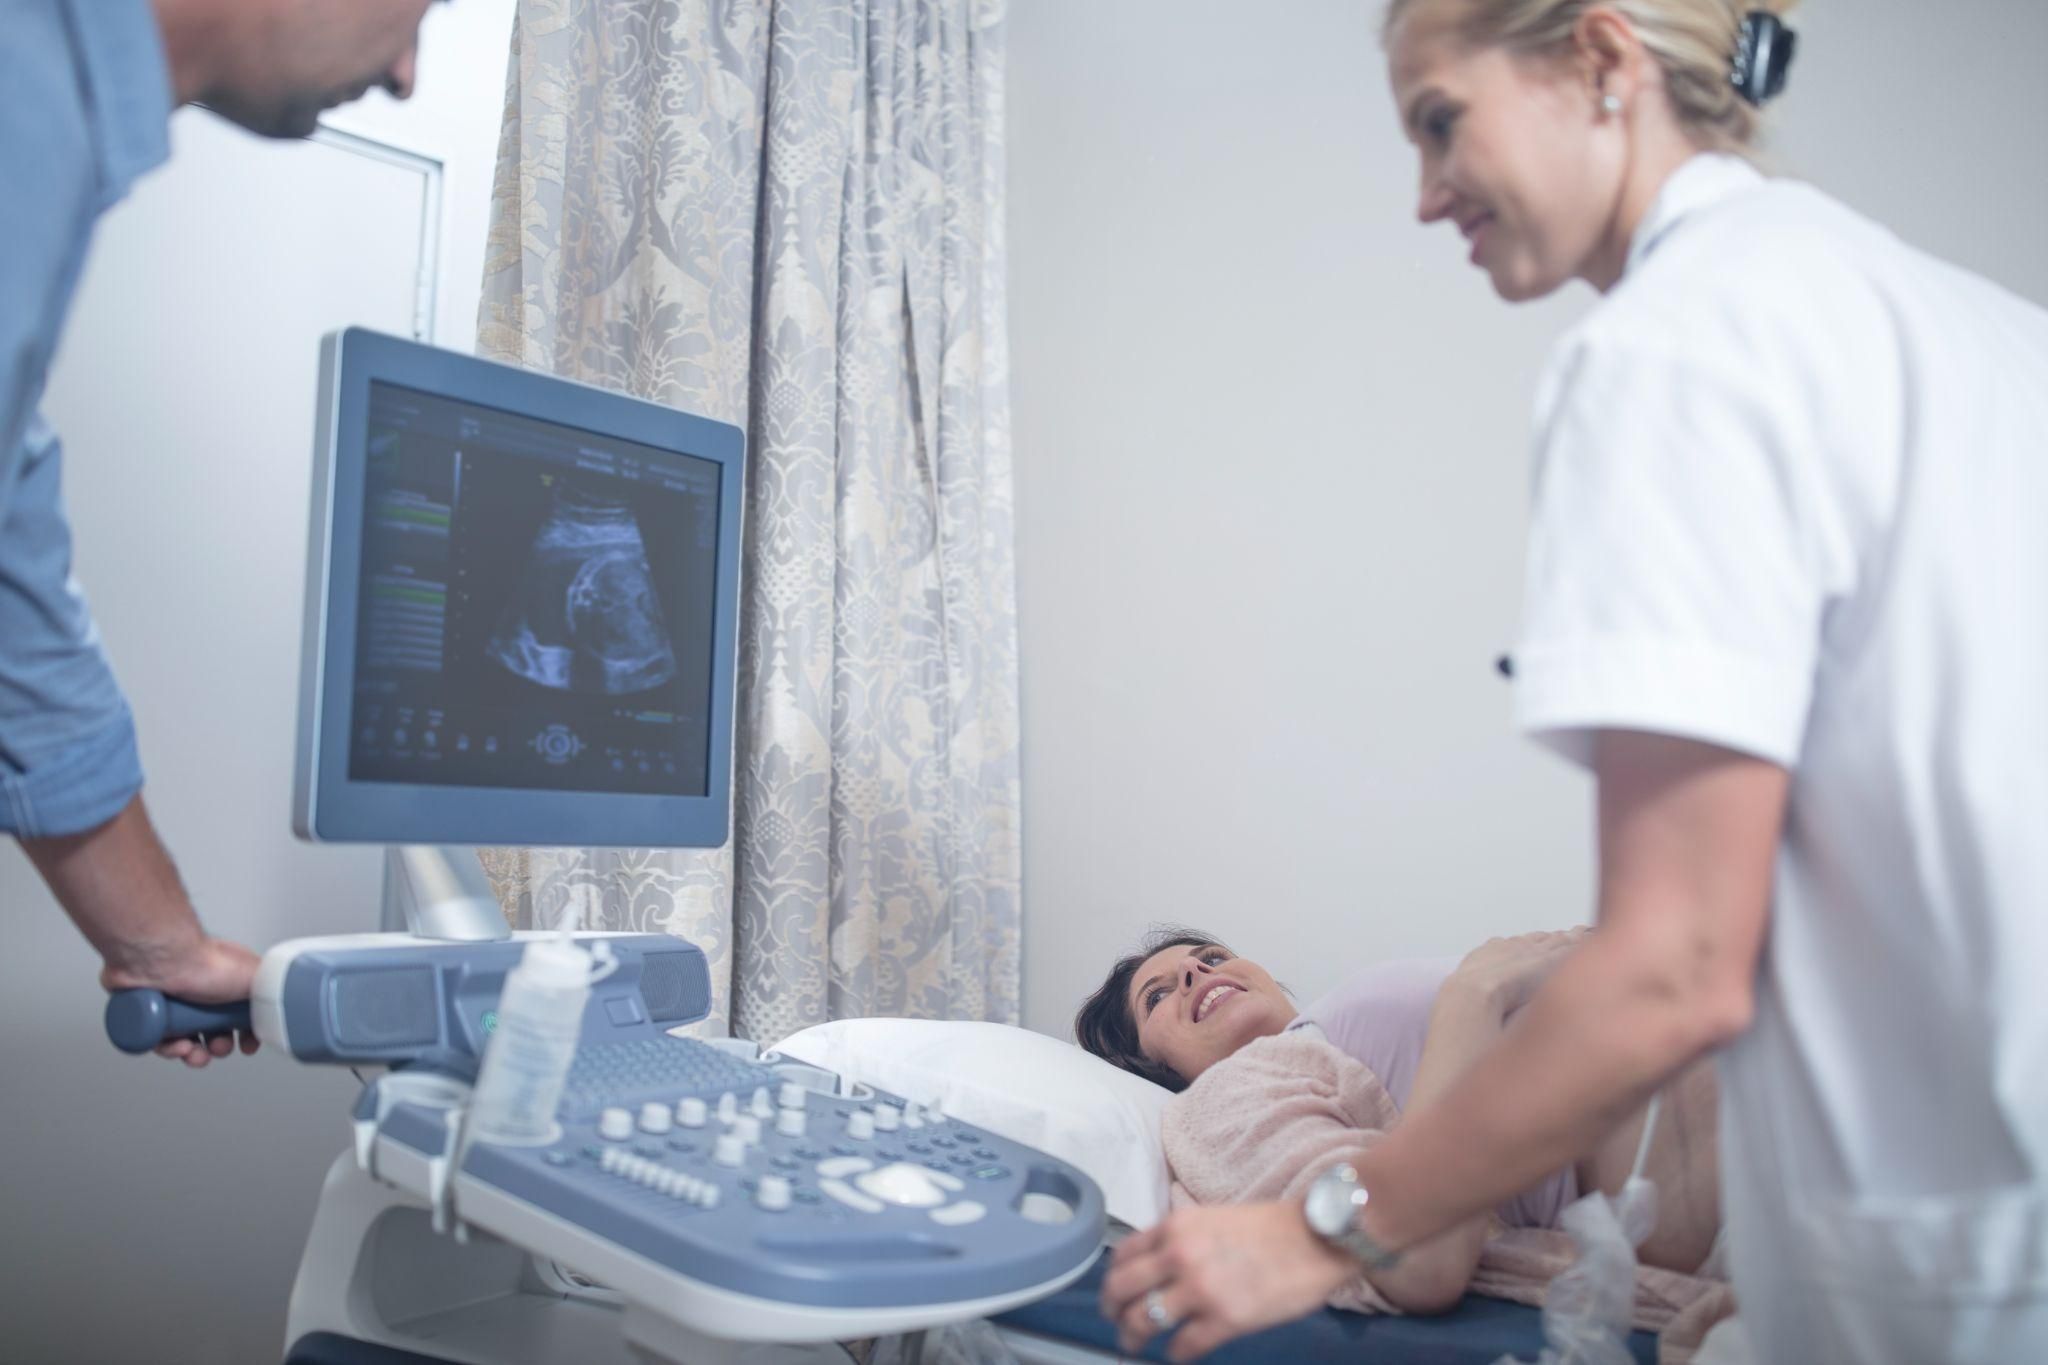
x,y
1022,1085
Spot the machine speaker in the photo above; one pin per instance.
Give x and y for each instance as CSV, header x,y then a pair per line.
x,y
385,1007
670,984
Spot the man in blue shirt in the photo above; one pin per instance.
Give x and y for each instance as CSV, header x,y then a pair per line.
x,y
86,92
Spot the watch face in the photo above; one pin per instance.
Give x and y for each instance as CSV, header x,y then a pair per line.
x,y
1328,1206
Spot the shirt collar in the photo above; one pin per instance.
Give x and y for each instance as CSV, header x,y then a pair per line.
x,y
1700,183
126,83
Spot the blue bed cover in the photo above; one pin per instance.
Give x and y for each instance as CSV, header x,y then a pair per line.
x,y
1477,1332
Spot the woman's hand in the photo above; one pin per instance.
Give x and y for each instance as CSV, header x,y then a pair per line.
x,y
1506,972
1218,1273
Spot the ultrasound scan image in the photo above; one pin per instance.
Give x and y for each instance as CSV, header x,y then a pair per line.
x,y
585,618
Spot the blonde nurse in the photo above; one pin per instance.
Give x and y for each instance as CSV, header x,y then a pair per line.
x,y
1787,599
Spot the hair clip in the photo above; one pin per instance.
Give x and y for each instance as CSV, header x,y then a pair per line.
x,y
1763,57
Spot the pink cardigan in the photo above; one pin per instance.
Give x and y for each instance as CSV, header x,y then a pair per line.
x,y
1263,1123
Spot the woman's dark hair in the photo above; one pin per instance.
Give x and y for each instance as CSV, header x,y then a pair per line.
x,y
1105,1024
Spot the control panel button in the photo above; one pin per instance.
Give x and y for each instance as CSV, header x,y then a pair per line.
x,y
655,1118
728,1107
901,1183
773,1193
691,1112
860,1125
615,1124
839,1167
887,1116
748,1129
849,1196
730,1150
790,1123
707,1198
960,1214
762,1107
792,1095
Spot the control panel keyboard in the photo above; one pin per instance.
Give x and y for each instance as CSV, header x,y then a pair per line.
x,y
767,1181
769,1198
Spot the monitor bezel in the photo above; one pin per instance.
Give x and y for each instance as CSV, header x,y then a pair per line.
x,y
328,805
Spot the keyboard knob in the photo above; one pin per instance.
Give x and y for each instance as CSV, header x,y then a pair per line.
x,y
772,1193
886,1117
747,1129
728,1107
729,1150
655,1118
791,1095
790,1123
860,1125
615,1124
691,1112
763,1107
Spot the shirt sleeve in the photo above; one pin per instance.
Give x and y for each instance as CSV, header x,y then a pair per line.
x,y
68,759
1679,558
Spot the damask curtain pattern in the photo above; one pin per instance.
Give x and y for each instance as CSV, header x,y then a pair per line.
x,y
788,214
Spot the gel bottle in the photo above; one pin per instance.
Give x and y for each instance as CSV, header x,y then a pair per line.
x,y
526,1062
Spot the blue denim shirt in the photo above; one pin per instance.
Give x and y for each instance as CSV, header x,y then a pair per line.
x,y
85,103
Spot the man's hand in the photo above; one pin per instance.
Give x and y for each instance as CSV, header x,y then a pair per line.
x,y
118,884
1220,1273
205,971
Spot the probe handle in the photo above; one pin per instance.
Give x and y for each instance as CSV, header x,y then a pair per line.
x,y
139,1019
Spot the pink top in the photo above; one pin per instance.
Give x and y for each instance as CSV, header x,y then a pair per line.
x,y
1380,1018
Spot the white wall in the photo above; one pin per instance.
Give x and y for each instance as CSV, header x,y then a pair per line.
x,y
1271,450
150,1213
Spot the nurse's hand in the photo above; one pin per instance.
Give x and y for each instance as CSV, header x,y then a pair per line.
x,y
1219,1273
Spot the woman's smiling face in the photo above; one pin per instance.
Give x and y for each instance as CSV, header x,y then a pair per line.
x,y
1515,153
1196,1004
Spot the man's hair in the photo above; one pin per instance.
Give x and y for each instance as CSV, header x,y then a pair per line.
x,y
1105,1024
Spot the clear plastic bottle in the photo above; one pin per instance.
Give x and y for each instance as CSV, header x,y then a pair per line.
x,y
527,1059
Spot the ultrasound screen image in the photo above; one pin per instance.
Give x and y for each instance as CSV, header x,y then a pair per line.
x,y
536,605
587,617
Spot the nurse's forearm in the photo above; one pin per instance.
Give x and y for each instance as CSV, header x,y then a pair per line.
x,y
1599,1038
1688,840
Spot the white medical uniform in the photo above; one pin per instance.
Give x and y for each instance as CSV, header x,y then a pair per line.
x,y
1791,498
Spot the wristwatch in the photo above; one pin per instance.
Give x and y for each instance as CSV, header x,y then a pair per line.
x,y
1332,1208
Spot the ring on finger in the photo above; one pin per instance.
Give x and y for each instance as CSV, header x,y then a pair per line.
x,y
1156,1312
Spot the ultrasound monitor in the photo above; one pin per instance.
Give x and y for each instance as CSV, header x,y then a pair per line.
x,y
521,609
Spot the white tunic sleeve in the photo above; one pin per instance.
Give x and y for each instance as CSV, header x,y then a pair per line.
x,y
1683,550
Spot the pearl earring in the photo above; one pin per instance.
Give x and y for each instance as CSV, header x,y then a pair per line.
x,y
1610,105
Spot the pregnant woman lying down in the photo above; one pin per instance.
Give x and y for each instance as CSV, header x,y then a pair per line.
x,y
1272,1096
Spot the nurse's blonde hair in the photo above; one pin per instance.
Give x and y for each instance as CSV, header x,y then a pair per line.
x,y
1693,41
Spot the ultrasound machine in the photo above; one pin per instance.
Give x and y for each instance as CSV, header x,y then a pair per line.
x,y
521,629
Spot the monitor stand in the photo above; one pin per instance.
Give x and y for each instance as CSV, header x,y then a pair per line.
x,y
440,892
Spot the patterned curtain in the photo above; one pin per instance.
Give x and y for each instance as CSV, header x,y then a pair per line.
x,y
789,214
